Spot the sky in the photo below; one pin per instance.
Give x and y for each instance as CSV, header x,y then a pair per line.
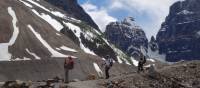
x,y
149,14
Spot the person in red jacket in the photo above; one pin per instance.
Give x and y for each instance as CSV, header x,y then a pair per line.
x,y
68,65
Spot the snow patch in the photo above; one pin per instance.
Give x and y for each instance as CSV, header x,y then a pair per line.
x,y
185,12
5,55
19,59
119,60
35,3
58,48
89,36
54,23
51,50
77,31
58,34
135,62
99,71
149,65
33,54
68,49
27,4
152,60
56,13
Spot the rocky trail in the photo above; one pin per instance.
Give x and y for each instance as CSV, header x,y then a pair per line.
x,y
178,75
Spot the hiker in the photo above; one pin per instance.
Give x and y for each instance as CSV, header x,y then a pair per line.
x,y
108,64
68,65
141,63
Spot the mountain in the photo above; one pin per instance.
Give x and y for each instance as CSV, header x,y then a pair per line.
x,y
153,44
179,36
36,35
127,36
75,10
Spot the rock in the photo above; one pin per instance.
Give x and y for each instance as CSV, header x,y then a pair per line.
x,y
127,36
15,84
153,44
179,36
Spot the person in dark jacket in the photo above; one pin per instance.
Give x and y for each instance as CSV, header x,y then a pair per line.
x,y
68,65
108,64
141,63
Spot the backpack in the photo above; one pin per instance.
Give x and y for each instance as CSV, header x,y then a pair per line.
x,y
110,62
69,65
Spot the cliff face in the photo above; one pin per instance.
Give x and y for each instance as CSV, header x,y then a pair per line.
x,y
74,9
127,36
179,36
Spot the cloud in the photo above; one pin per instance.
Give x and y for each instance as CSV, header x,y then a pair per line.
x,y
154,11
99,15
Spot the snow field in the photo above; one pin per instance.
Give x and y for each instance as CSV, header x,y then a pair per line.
x,y
99,71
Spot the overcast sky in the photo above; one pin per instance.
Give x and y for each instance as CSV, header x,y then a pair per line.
x,y
149,14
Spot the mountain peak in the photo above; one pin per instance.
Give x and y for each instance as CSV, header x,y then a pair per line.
x,y
130,21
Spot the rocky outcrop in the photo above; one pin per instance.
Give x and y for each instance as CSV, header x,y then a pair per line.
x,y
75,10
153,44
179,36
127,36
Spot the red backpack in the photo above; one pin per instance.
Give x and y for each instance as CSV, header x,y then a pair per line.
x,y
69,64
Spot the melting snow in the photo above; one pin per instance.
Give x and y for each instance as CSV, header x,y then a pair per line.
x,y
119,60
51,50
152,60
54,23
58,48
27,4
149,65
19,59
68,49
58,34
56,13
35,3
33,54
100,73
77,31
135,62
89,36
5,55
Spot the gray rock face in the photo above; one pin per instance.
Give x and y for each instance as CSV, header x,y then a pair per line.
x,y
74,9
179,36
127,36
153,44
